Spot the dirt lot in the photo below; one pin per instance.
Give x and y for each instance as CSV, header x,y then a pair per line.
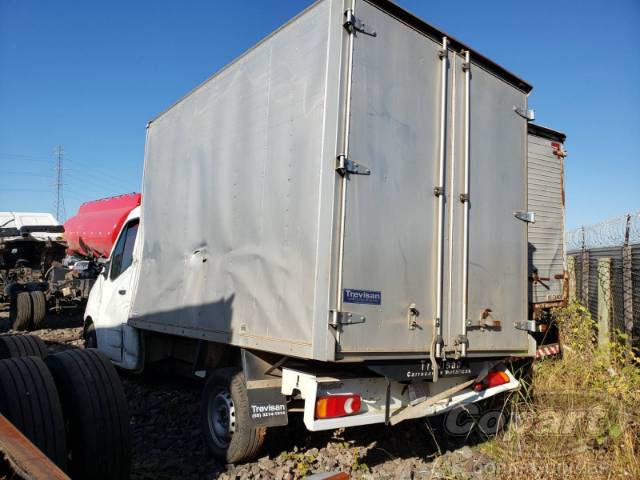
x,y
167,440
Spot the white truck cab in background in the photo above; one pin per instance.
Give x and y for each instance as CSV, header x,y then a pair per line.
x,y
109,303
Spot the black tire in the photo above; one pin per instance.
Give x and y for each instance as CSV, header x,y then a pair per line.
x,y
29,399
12,346
95,409
89,335
39,307
226,389
21,312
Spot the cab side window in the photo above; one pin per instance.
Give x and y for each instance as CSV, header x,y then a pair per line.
x,y
123,253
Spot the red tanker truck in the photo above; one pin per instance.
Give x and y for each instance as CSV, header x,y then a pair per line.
x,y
40,275
93,231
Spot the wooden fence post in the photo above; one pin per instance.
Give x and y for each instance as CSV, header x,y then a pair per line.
x,y
604,300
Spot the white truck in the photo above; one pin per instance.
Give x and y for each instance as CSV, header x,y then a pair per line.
x,y
333,224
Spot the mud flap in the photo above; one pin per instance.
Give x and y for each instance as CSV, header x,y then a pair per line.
x,y
267,404
267,407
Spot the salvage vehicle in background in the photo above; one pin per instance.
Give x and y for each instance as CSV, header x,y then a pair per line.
x,y
334,224
548,276
30,243
47,267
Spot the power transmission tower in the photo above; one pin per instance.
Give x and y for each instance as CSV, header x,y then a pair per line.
x,y
59,202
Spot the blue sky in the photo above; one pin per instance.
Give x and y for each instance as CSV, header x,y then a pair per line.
x,y
89,75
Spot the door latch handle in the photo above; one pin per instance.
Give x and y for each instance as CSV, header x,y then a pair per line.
x,y
122,292
412,316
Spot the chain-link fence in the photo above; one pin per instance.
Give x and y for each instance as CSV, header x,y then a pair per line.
x,y
604,273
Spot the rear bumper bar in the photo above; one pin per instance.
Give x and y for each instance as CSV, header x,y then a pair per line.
x,y
405,401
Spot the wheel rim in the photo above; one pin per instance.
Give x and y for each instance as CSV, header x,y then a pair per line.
x,y
221,415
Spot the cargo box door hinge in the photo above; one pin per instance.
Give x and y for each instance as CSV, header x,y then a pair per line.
x,y
526,325
528,115
345,318
344,166
354,24
528,217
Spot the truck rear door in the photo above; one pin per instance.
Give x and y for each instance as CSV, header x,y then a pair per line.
x,y
389,240
497,238
389,275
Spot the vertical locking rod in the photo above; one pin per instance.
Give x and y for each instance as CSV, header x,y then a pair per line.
x,y
466,66
444,53
344,179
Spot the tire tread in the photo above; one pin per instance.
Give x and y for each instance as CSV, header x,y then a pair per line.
x,y
95,407
21,311
39,306
29,399
246,441
12,346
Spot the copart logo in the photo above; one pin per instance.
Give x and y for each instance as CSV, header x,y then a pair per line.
x,y
573,419
471,419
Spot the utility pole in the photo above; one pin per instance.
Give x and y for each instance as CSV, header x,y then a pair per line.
x,y
59,204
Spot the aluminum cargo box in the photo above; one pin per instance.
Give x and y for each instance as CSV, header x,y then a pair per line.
x,y
309,199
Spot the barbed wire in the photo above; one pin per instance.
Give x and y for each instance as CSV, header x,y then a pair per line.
x,y
609,233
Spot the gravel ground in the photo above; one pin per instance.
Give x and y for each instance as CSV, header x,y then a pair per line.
x,y
167,440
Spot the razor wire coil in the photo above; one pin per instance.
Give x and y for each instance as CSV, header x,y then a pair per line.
x,y
614,232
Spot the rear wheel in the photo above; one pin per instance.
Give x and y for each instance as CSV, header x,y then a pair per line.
x,y
29,400
226,425
95,409
21,311
21,346
39,306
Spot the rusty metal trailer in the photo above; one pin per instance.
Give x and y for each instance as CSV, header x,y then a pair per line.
x,y
546,198
19,458
548,276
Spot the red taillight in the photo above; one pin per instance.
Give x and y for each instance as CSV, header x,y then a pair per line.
x,y
332,406
493,379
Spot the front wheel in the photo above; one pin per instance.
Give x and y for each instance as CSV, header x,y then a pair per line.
x,y
89,335
226,425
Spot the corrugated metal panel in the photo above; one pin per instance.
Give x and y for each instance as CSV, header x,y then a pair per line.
x,y
546,235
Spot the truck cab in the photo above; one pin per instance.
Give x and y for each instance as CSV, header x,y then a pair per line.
x,y
109,303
